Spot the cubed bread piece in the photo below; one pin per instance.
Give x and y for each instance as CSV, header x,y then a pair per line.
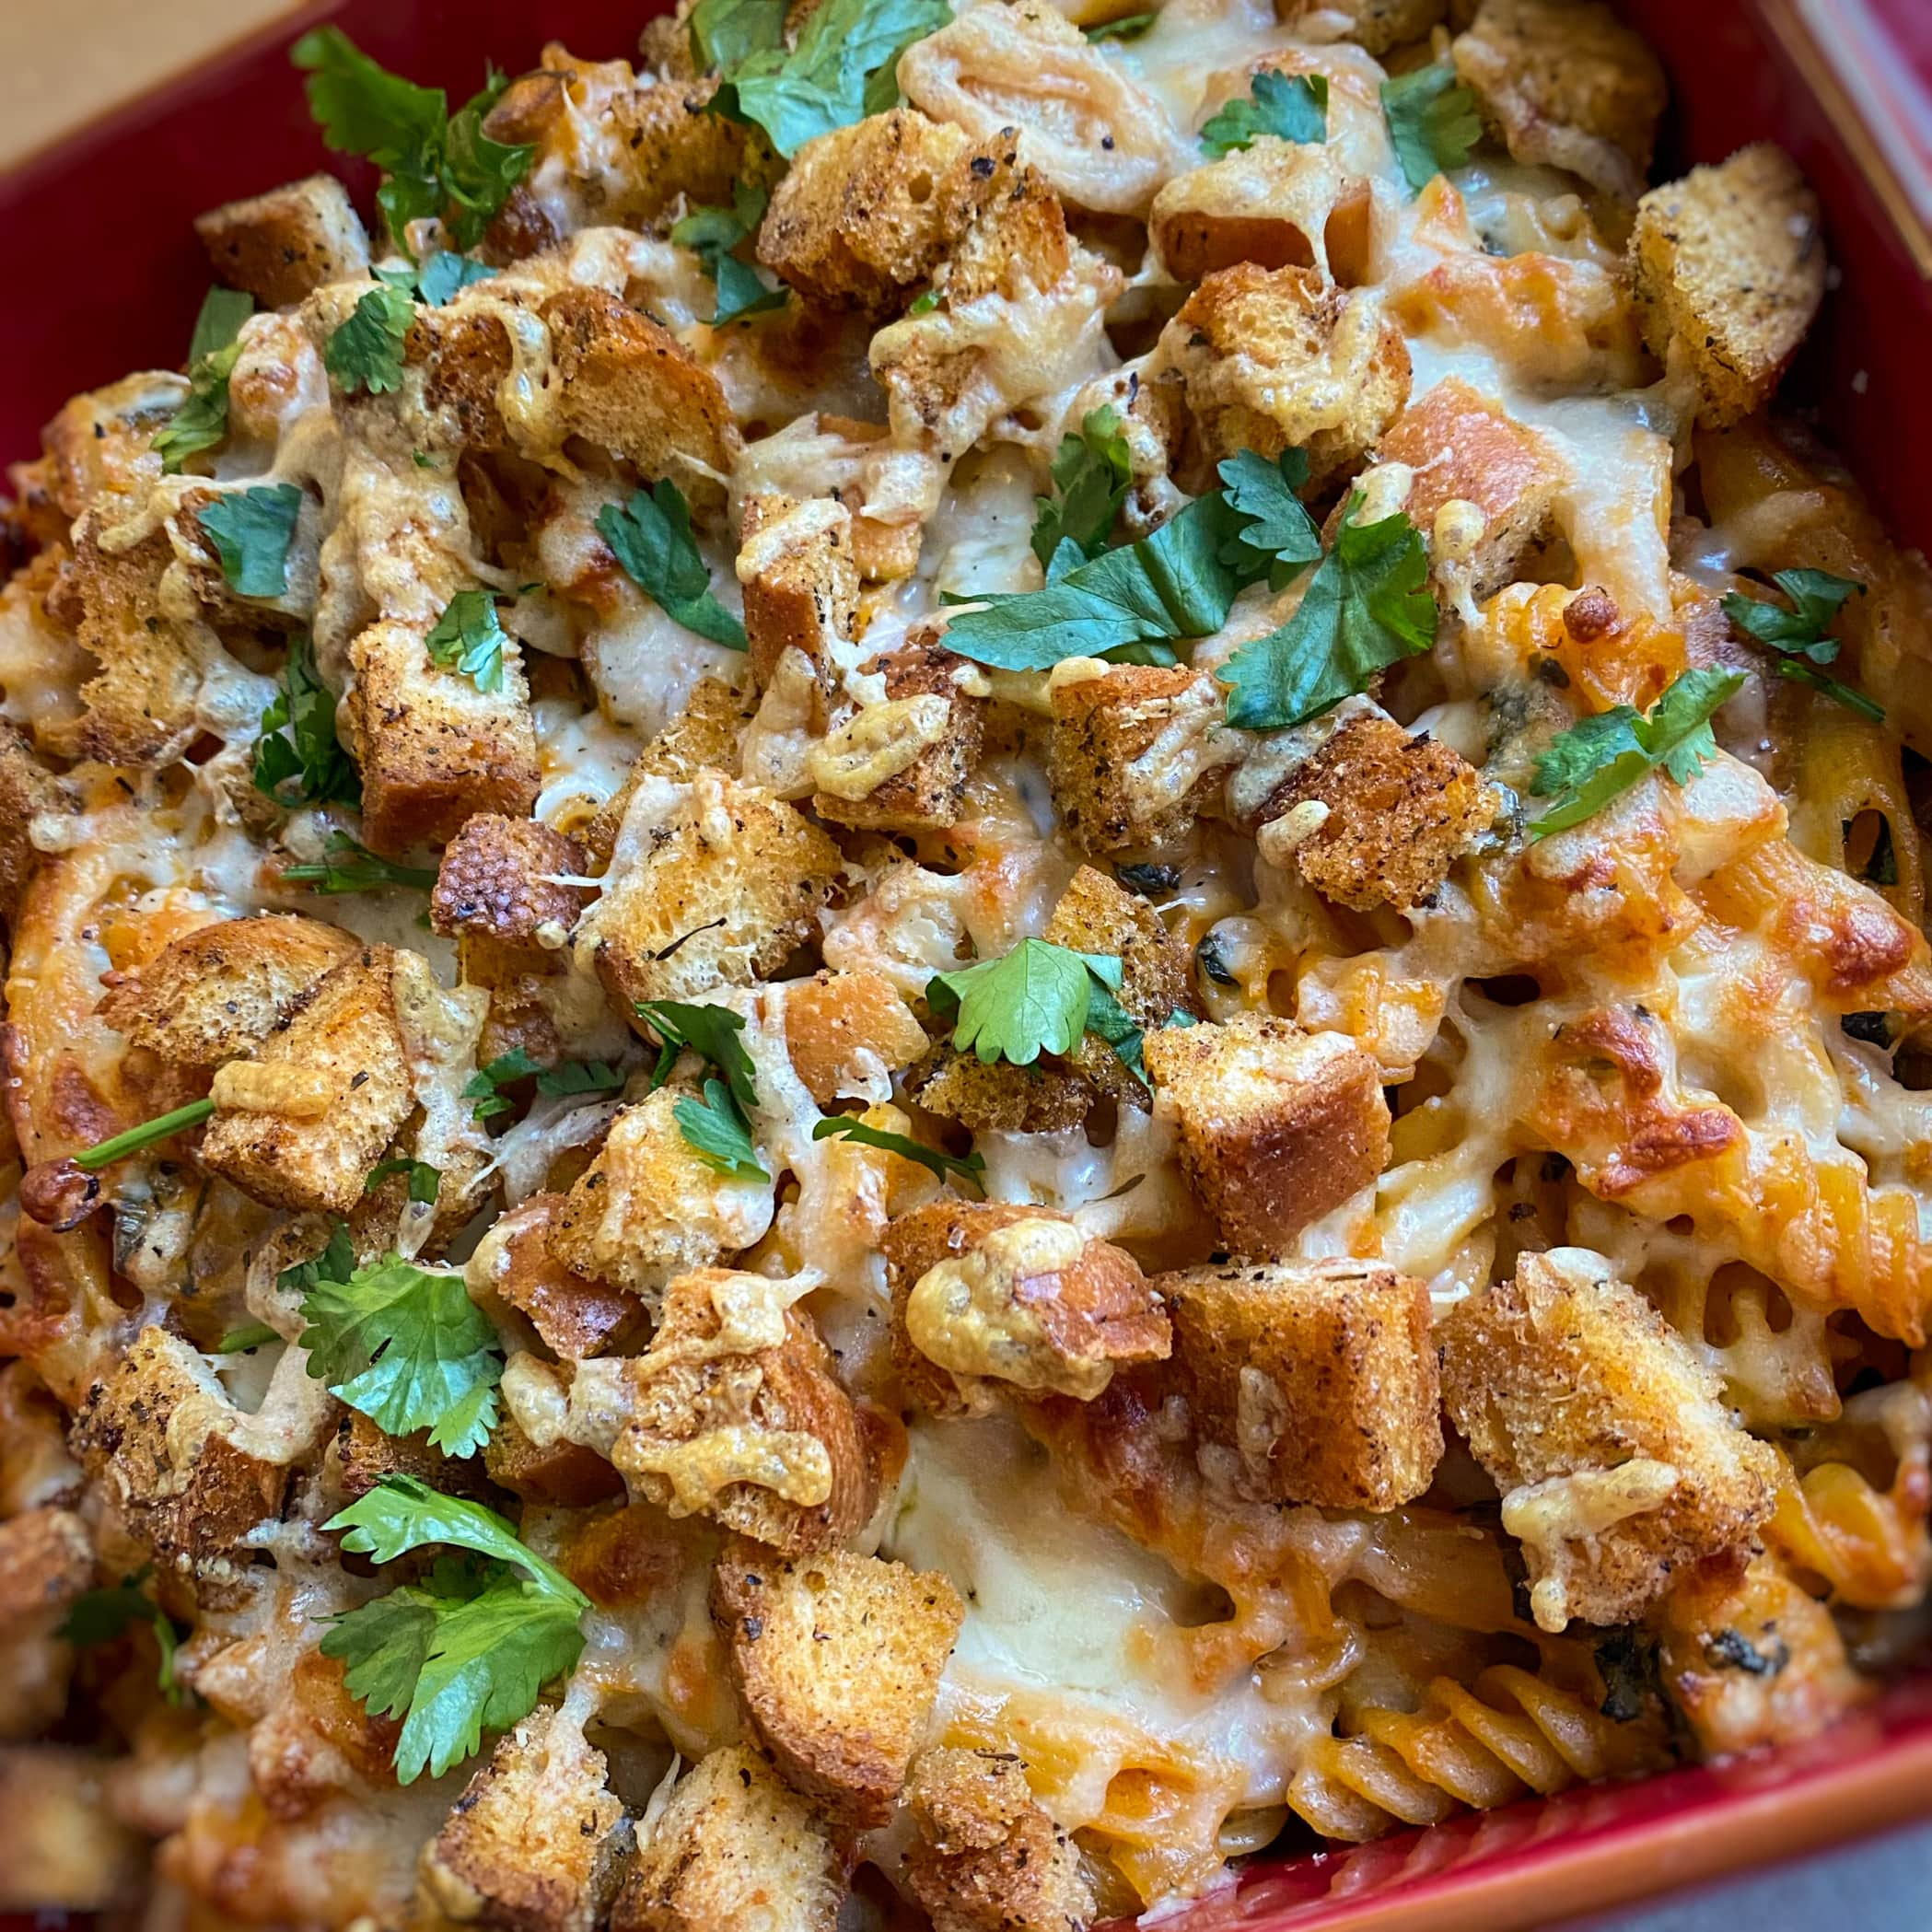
x,y
836,1658
286,244
988,1294
725,882
1465,449
46,1561
732,1851
1377,25
1618,1461
848,1033
1391,813
1138,753
1728,269
703,736
799,576
537,1840
1280,358
905,765
433,749
499,881
1278,205
999,1098
27,789
985,1857
1277,1125
553,1476
162,1441
465,356
322,1098
224,987
361,1454
1319,1377
576,1315
61,1848
733,1413
666,144
647,1207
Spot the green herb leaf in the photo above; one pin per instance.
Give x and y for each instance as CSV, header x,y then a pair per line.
x,y
1108,1019
351,867
365,352
120,1146
711,1032
1092,473
924,303
1033,1000
1432,122
335,1262
1602,757
101,1616
1278,539
468,638
1363,607
712,233
447,274
483,1086
724,33
409,1349
202,421
1292,106
1130,27
425,1183
846,1126
219,324
718,1132
580,1077
1799,634
309,752
252,531
239,1340
650,537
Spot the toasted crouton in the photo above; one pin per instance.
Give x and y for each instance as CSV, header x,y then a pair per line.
x,y
554,1475
284,244
27,789
665,145
100,444
1397,812
647,1207
46,1561
1618,1460
1278,205
537,1840
1727,270
1566,85
987,1858
703,736
361,1454
61,1846
1377,25
999,1098
498,880
800,580
1318,1378
989,1293
433,749
836,1658
725,881
1280,358
224,987
1136,753
574,1315
848,1033
733,1851
1277,1126
325,1095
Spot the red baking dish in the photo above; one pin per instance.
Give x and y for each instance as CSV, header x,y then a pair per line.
x,y
103,218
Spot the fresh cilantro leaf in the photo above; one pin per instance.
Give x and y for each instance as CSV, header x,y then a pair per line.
x,y
470,1648
477,173
845,1126
409,1349
447,274
202,421
1602,757
335,1262
118,1147
924,303
483,1085
252,531
650,537
726,32
842,68
1035,999
1278,539
469,639
1292,106
1092,473
425,1183
1130,27
351,867
238,1341
1433,122
711,1032
1108,1019
1363,607
365,352
580,1077
309,753
716,1132
711,233
100,1616
1799,634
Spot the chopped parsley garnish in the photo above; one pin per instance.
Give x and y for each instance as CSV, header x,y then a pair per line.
x,y
468,1648
425,1183
1277,539
1092,473
202,421
120,1145
1292,106
447,274
468,638
252,531
924,303
351,867
100,1616
365,352
432,163
846,1126
650,537
239,1341
713,1033
580,1077
485,1085
711,233
1129,27
298,740
1038,998
1433,122
1799,634
718,1132
1599,758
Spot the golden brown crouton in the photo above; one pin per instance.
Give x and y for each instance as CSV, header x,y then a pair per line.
x,y
647,1207
556,1475
1278,358
836,1658
101,443
537,1840
999,1098
987,1858
323,1097
1138,753
667,145
702,736
224,987
1618,1460
574,1315
499,879
284,244
800,580
1377,25
721,883
733,1413
46,1561
161,1439
1319,1377
27,789
61,1848
361,1454
1727,270
1278,205
847,1033
1277,1126
1391,813
987,1293
733,1851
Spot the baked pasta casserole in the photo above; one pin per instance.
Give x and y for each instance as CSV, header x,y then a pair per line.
x,y
953,957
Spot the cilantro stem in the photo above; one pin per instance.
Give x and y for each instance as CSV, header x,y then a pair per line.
x,y
108,1151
